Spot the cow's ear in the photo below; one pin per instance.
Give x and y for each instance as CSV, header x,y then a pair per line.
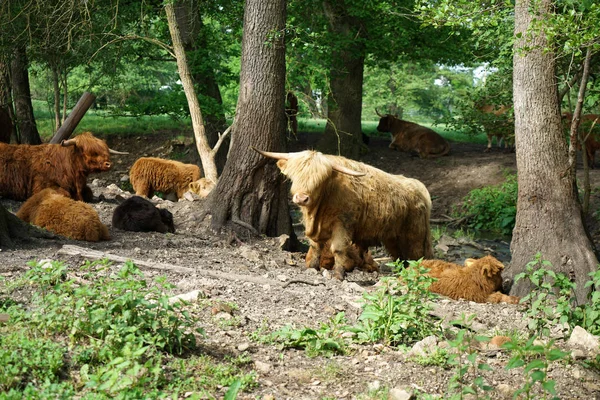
x,y
282,164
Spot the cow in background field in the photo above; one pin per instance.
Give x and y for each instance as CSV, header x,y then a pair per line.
x,y
291,112
27,169
138,214
53,210
479,280
586,129
497,125
345,202
150,174
410,137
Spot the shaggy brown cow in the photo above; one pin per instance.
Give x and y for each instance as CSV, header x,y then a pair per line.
x,y
589,124
410,137
150,174
202,187
27,169
344,202
497,125
479,280
52,210
360,259
138,214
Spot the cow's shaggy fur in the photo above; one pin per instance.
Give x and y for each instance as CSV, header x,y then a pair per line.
x,y
52,210
150,174
339,209
28,169
202,187
360,259
497,125
413,138
479,280
138,214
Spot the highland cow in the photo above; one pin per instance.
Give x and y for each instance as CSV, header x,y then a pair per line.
x,y
360,259
150,174
413,138
138,214
479,280
27,169
497,124
202,187
344,202
53,210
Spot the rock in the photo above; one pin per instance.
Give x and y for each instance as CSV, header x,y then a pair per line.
x,y
250,254
505,390
190,196
326,274
353,287
282,278
95,183
423,347
399,393
582,339
373,386
243,346
578,354
223,315
284,242
124,178
189,297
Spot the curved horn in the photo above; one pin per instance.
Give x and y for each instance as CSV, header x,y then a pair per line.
x,y
70,142
111,151
378,113
347,171
277,156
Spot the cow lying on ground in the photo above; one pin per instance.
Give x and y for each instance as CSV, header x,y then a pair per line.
x,y
359,258
54,211
150,174
479,280
27,169
413,138
138,214
589,124
344,202
202,187
497,125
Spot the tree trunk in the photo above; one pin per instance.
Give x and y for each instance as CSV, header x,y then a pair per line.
x,y
56,86
25,120
194,39
85,102
204,150
344,101
549,219
6,125
13,229
251,191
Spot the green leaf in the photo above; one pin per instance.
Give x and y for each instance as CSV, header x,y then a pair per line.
x,y
233,390
515,362
549,386
535,364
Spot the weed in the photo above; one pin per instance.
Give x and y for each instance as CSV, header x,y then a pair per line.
x,y
437,358
438,231
461,233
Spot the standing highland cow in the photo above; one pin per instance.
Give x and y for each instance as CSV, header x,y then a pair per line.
x,y
138,214
345,202
150,174
52,210
27,169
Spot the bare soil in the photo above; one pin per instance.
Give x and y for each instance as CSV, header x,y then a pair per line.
x,y
313,298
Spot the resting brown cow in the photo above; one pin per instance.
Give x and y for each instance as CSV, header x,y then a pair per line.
x,y
497,125
27,169
138,214
410,137
589,124
479,280
150,174
344,202
361,259
52,210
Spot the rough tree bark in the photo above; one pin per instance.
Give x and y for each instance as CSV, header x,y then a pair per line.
x,y
24,121
193,37
549,218
6,125
13,229
251,191
344,101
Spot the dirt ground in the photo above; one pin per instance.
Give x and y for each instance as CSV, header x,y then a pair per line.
x,y
264,304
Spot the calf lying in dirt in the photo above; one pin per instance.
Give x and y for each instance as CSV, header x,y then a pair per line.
x,y
360,259
479,280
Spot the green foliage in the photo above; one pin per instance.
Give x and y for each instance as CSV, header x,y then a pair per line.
x,y
396,318
106,333
438,357
326,340
491,208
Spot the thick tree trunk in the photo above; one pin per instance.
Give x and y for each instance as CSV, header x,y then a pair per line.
x,y
549,219
193,37
344,102
251,191
204,149
25,120
64,132
12,229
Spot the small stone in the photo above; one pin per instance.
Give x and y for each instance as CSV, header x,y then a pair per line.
x,y
400,394
373,386
326,274
250,254
282,278
311,271
580,338
578,354
243,346
505,390
284,242
316,383
223,316
124,178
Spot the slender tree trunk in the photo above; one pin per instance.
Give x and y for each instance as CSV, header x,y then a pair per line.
x,y
56,86
6,124
549,218
204,150
193,37
65,86
344,101
25,120
251,191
